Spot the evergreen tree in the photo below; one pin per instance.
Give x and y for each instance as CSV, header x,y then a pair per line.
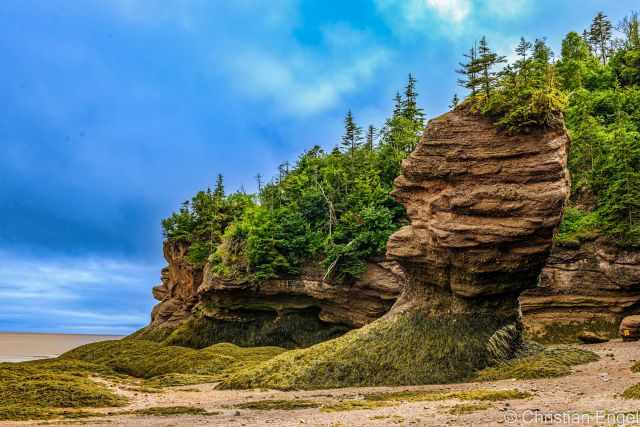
x,y
259,182
454,101
470,70
410,108
487,60
541,52
352,138
371,137
218,191
600,36
523,48
397,104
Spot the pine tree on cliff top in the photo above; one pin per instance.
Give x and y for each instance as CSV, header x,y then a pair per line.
x,y
469,70
486,61
523,48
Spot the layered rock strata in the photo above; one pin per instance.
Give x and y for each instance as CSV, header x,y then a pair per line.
x,y
591,287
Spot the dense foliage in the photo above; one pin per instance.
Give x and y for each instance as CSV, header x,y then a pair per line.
x,y
596,84
334,207
330,206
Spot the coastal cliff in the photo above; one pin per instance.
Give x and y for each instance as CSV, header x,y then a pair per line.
x,y
197,308
589,287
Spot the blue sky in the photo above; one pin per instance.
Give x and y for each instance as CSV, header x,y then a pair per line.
x,y
115,111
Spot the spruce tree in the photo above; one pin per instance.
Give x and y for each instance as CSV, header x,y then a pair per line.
x,y
218,191
352,138
541,52
469,70
371,136
487,59
410,108
600,36
397,104
523,48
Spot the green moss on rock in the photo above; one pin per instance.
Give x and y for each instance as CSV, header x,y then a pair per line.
x,y
406,349
548,363
146,359
295,329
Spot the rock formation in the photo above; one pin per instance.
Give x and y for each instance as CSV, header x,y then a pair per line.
x,y
591,287
483,207
198,309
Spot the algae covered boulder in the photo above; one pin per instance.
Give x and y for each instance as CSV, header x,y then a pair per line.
x,y
483,207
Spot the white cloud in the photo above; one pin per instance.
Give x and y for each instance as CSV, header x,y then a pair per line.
x,y
301,82
507,9
452,10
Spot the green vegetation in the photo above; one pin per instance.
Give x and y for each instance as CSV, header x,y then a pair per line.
x,y
548,363
330,206
270,405
301,328
430,396
354,405
568,332
632,392
52,388
595,82
406,349
167,411
468,408
171,365
334,206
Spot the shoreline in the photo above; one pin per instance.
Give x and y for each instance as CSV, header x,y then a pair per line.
x,y
18,347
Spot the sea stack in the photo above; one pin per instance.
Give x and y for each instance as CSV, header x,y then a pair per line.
x,y
483,206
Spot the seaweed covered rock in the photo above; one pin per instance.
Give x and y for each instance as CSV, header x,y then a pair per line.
x,y
198,309
483,208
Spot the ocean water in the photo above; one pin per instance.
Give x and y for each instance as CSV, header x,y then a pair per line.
x,y
21,347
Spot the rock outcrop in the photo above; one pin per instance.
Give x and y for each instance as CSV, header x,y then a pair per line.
x,y
587,288
197,308
483,208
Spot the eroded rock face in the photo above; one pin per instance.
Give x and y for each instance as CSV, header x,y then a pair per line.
x,y
286,312
587,288
178,290
483,208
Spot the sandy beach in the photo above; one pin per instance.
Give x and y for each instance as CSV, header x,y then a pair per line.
x,y
20,347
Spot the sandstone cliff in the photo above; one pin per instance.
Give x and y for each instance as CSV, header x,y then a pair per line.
x,y
587,288
289,312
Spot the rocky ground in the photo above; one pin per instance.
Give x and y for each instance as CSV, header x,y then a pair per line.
x,y
589,396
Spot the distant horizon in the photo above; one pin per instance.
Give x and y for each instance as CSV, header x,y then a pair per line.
x,y
118,111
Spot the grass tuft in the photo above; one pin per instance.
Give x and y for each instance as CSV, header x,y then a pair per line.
x,y
548,363
428,396
632,392
354,405
468,408
270,405
166,411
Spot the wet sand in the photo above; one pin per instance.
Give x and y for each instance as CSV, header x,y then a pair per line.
x,y
20,347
